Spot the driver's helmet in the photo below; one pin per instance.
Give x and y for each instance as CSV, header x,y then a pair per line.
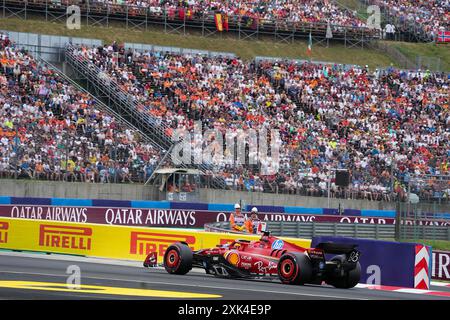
x,y
237,207
254,213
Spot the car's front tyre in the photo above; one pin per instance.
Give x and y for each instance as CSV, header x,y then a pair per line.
x,y
178,259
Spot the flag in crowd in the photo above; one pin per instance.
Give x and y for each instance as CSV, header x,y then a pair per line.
x,y
443,36
309,52
329,34
219,22
225,22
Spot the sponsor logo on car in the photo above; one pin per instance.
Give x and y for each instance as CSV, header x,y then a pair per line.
x,y
232,257
4,226
225,241
142,243
245,265
259,265
315,254
246,258
56,236
277,244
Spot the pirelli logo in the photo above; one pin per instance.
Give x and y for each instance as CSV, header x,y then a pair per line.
x,y
142,243
225,241
54,236
4,226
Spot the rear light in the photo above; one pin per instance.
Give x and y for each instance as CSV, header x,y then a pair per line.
x,y
315,253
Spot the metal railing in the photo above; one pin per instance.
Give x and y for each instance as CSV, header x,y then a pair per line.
x,y
14,171
133,17
103,86
49,47
406,30
142,47
308,230
99,104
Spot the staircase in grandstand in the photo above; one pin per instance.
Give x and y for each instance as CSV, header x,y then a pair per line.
x,y
100,85
145,138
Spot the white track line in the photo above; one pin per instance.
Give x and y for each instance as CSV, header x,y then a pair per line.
x,y
440,284
61,257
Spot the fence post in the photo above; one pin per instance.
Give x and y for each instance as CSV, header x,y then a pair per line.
x,y
448,233
376,231
397,220
313,229
298,230
355,234
281,228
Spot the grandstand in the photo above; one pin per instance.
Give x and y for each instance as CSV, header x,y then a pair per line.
x,y
305,142
283,20
53,131
386,126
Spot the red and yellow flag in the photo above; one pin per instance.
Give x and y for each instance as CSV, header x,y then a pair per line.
x,y
219,23
225,22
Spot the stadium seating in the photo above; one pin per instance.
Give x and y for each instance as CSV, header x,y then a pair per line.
x,y
414,17
290,11
431,15
383,125
51,130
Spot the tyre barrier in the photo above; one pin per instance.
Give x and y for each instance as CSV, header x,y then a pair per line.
x,y
388,263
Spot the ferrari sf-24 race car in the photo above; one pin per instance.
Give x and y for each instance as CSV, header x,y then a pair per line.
x,y
267,257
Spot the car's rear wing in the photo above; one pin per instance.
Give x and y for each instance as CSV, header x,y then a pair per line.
x,y
336,248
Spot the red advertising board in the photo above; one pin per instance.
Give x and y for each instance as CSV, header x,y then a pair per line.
x,y
441,265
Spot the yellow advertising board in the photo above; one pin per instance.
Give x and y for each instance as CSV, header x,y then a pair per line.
x,y
116,242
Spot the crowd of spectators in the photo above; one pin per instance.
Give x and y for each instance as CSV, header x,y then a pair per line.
x,y
51,130
384,126
431,15
257,11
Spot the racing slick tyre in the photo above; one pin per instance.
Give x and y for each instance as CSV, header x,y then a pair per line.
x,y
294,268
178,259
349,280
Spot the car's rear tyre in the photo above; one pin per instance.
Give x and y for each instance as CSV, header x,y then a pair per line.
x,y
178,259
349,280
294,268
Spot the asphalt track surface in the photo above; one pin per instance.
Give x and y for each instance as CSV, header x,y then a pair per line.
x,y
35,276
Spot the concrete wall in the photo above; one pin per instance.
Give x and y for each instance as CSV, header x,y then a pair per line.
x,y
56,189
78,190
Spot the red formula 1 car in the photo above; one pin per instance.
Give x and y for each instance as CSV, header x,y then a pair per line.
x,y
268,257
